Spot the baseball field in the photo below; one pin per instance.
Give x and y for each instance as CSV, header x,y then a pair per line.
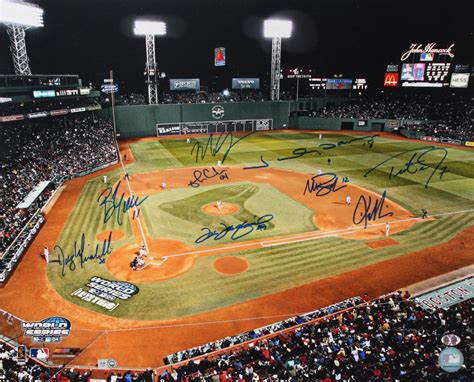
x,y
239,231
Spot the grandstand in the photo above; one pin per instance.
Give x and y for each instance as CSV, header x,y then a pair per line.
x,y
250,207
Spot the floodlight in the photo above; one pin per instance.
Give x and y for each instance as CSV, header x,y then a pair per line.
x,y
20,13
277,28
147,28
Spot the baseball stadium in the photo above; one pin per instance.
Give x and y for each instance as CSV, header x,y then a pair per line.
x,y
225,222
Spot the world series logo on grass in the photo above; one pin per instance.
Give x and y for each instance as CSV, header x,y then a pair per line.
x,y
51,329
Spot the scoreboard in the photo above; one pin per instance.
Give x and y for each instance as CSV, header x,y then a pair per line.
x,y
429,67
213,127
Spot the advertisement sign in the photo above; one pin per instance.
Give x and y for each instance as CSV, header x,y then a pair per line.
x,y
5,99
78,110
105,293
58,112
51,329
40,114
447,296
339,83
10,118
362,122
219,56
427,51
185,84
393,123
109,88
413,72
84,91
168,129
245,83
460,68
469,143
44,93
392,69
390,79
459,80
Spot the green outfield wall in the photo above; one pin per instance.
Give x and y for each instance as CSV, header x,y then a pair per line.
x,y
141,120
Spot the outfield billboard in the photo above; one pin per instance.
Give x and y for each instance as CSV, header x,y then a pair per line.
x,y
245,83
185,84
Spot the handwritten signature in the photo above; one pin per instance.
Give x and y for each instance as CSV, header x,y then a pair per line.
x,y
114,205
201,176
368,138
69,262
416,163
321,186
215,146
239,231
365,211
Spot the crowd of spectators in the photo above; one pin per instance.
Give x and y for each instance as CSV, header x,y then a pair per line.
x,y
212,97
34,151
449,116
260,332
390,339
9,108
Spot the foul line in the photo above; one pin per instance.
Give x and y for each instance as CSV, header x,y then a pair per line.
x,y
302,237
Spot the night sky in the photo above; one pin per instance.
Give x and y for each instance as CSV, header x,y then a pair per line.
x,y
351,37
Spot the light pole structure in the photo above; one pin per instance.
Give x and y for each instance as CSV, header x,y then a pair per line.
x,y
18,16
276,29
150,29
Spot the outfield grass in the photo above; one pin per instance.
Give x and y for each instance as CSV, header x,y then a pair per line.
x,y
168,215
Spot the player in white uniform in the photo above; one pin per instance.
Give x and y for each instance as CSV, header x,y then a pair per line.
x,y
219,205
348,199
46,254
387,229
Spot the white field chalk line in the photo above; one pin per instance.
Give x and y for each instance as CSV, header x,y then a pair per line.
x,y
305,237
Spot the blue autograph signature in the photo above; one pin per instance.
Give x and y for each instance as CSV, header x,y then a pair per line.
x,y
200,176
215,147
416,163
238,231
365,212
113,205
322,187
78,254
297,153
369,138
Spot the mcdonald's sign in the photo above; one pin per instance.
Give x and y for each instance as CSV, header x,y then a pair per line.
x,y
391,79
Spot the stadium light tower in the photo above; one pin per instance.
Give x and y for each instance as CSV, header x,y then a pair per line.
x,y
18,16
276,29
150,29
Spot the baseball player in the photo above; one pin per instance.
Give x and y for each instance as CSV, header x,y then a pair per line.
x,y
348,200
142,251
188,140
387,229
163,185
46,254
219,205
105,179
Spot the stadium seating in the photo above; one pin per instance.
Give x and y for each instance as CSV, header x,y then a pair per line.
x,y
50,149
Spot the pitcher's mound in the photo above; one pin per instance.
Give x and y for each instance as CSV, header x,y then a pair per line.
x,y
116,235
230,265
227,209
